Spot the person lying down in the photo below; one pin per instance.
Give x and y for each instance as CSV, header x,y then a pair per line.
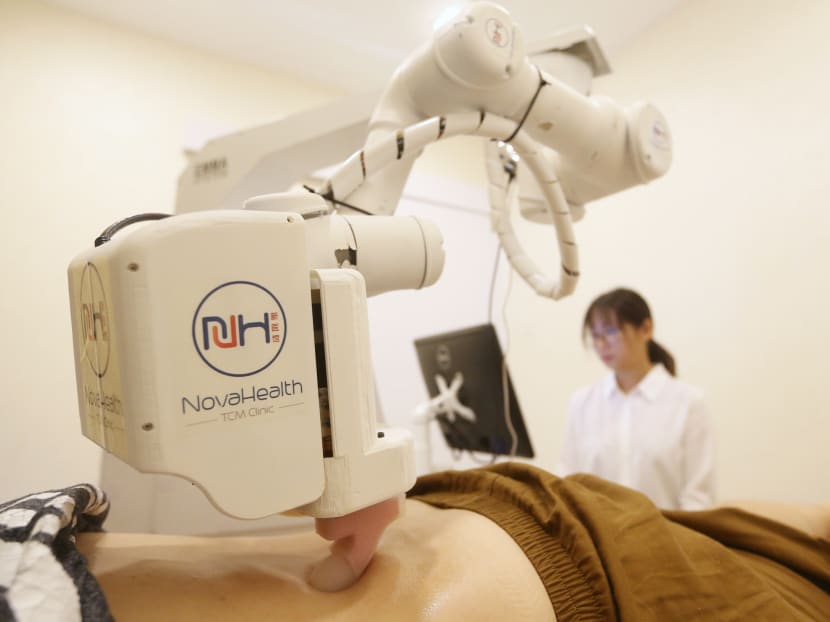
x,y
504,542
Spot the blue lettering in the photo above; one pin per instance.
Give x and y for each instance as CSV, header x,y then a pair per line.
x,y
263,325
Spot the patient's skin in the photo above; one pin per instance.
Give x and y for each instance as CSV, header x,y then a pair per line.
x,y
811,518
430,565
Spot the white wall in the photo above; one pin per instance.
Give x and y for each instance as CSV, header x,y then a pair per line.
x,y
732,248
92,123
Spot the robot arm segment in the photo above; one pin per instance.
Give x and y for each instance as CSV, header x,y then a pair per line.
x,y
357,170
390,252
577,148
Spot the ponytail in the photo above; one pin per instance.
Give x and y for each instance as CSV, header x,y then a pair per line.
x,y
658,354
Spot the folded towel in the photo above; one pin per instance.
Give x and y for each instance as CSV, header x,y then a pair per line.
x,y
43,577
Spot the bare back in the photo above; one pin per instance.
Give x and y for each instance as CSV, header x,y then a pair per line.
x,y
431,564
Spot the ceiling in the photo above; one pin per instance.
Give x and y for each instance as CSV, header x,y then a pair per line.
x,y
352,45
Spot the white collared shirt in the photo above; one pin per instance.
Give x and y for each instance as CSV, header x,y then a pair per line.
x,y
656,439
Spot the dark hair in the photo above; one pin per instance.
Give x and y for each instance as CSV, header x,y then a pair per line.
x,y
625,306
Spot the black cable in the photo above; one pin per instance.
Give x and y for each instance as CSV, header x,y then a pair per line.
x,y
542,84
469,444
475,459
457,433
329,196
110,231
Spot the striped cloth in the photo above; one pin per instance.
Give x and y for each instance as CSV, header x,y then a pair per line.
x,y
43,577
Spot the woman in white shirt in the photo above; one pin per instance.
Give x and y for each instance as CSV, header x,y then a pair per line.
x,y
639,426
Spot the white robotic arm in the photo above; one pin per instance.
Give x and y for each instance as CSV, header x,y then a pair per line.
x,y
230,347
478,63
578,148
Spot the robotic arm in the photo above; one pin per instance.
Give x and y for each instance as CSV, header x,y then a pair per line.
x,y
578,148
478,63
230,347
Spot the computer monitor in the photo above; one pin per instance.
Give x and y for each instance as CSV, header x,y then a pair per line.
x,y
476,353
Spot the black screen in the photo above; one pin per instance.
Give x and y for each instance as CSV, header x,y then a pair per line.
x,y
475,352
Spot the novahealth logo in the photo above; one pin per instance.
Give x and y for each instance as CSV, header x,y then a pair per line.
x,y
239,328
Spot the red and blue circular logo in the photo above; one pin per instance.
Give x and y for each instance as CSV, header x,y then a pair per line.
x,y
239,328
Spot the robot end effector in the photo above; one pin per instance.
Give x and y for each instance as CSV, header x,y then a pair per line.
x,y
248,373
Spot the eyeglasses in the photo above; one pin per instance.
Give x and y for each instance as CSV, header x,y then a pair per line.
x,y
607,334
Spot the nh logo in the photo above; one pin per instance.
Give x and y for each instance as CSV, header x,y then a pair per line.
x,y
239,328
230,334
94,322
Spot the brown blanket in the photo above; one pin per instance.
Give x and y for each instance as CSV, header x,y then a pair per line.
x,y
605,552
